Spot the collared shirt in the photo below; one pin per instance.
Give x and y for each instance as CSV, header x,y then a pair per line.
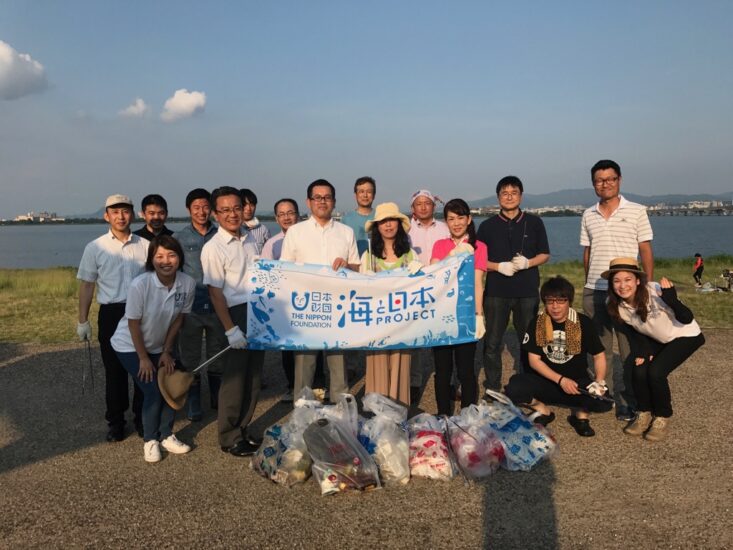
x,y
616,237
505,238
273,247
424,236
442,248
309,242
145,233
224,261
156,307
113,264
356,222
256,232
192,243
660,324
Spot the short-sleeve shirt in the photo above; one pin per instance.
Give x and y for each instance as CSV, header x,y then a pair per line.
x,y
616,237
156,307
556,356
442,248
357,222
193,243
309,242
273,247
369,262
113,264
257,233
505,238
224,260
145,233
424,236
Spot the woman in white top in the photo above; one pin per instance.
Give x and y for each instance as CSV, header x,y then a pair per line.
x,y
156,304
664,335
388,372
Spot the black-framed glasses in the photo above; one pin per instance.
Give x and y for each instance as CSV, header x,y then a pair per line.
x,y
322,198
606,181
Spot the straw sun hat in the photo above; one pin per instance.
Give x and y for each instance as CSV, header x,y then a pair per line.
x,y
174,387
622,264
388,211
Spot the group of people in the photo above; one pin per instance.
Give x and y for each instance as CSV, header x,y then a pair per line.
x,y
161,295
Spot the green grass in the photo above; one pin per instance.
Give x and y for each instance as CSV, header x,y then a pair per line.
x,y
41,305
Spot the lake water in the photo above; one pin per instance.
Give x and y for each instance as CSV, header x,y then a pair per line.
x,y
39,246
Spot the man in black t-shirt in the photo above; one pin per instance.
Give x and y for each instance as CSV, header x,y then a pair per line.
x,y
556,342
155,213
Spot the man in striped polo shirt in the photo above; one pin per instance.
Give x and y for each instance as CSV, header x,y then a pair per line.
x,y
612,228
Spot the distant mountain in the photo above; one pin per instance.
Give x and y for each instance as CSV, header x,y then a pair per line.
x,y
587,197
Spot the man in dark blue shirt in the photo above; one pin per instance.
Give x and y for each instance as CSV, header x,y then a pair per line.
x,y
517,244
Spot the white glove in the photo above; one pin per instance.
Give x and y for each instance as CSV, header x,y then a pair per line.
x,y
413,267
84,331
480,326
463,248
236,338
597,388
520,262
507,268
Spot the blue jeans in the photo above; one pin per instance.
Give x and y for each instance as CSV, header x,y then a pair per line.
x,y
158,416
496,314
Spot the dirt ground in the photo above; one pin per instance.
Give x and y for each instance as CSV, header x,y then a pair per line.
x,y
62,485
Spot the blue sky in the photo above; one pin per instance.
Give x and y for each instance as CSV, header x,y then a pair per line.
x,y
445,96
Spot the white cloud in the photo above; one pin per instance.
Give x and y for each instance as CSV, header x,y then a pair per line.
x,y
183,104
20,74
137,109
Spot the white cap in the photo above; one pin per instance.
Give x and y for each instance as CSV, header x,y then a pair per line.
x,y
114,200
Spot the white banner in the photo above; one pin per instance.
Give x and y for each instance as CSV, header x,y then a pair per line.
x,y
303,306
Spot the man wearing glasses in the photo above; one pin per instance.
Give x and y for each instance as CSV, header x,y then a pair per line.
x,y
517,244
612,228
323,241
224,261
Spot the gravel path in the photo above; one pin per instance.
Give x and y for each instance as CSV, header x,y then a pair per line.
x,y
62,485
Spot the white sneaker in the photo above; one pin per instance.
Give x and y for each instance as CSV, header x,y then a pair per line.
x,y
152,451
173,445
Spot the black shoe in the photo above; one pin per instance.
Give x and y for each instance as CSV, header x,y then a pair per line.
x,y
252,440
116,433
543,419
243,448
582,426
625,414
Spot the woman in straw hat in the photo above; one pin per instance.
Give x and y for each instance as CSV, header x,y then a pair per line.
x,y
462,239
156,303
388,372
664,335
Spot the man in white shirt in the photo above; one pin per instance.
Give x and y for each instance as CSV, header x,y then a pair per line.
x,y
425,230
224,261
323,241
612,228
110,263
257,231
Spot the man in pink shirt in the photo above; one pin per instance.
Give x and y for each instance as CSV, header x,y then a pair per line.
x,y
425,231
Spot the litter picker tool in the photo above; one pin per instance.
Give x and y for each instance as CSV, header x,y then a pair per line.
x,y
594,396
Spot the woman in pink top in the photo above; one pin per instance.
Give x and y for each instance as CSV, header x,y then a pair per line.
x,y
457,215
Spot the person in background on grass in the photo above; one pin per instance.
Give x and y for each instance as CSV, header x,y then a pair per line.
x,y
111,262
665,334
610,229
557,341
697,269
517,245
145,338
323,241
202,319
388,372
462,238
424,232
256,231
155,213
224,260
364,191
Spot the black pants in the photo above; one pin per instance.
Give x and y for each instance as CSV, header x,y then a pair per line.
x,y
115,375
522,388
463,356
651,386
698,275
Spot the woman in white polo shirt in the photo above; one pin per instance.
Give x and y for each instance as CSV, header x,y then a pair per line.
x,y
664,335
156,304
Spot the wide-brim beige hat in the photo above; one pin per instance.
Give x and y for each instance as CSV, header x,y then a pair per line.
x,y
388,211
622,264
174,387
